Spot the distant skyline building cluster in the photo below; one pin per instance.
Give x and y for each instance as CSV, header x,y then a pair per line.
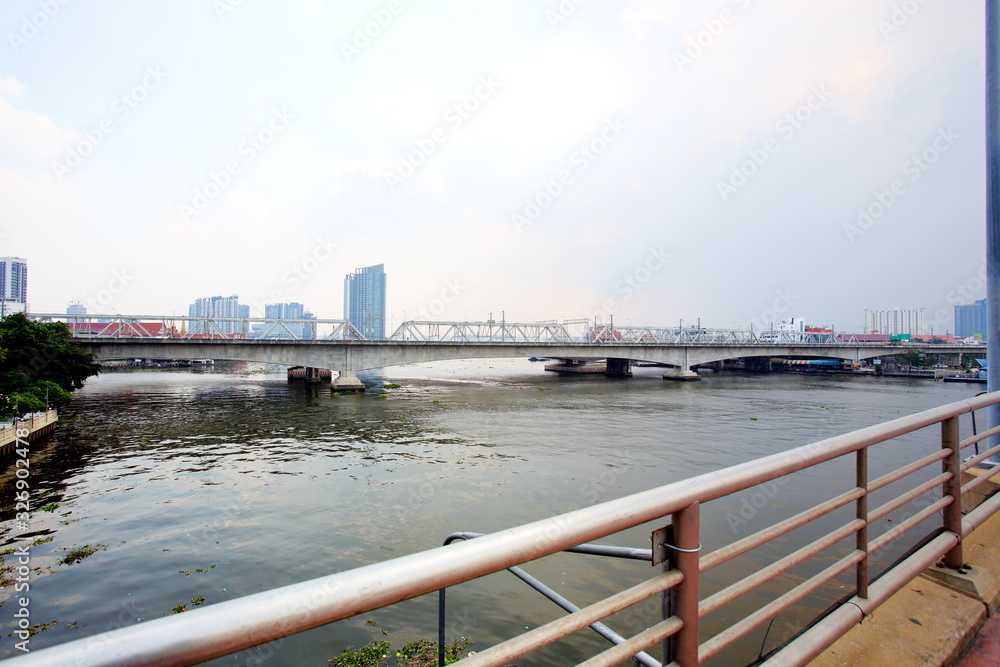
x,y
13,285
895,321
285,311
970,320
217,306
364,301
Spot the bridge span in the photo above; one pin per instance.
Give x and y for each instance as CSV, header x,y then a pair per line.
x,y
336,345
350,356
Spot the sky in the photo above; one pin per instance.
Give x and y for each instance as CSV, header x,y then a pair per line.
x,y
655,161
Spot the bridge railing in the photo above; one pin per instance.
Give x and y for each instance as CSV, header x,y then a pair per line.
x,y
568,332
581,332
202,328
858,520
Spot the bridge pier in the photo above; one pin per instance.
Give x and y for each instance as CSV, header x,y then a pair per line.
x,y
309,375
347,381
681,374
618,368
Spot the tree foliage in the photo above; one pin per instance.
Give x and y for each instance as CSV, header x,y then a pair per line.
x,y
40,365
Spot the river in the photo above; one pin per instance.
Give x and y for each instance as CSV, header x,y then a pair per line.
x,y
219,483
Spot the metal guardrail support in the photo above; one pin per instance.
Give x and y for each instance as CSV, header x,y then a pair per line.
x,y
953,488
861,542
600,628
684,555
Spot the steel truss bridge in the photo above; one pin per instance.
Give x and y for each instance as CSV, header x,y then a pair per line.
x,y
491,331
336,345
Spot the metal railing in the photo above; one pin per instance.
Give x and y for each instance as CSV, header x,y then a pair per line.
x,y
228,627
201,328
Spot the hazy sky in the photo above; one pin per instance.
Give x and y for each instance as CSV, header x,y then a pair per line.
x,y
731,160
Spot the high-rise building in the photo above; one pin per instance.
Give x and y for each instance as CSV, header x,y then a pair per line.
x,y
364,301
13,285
970,320
286,311
896,321
218,306
76,309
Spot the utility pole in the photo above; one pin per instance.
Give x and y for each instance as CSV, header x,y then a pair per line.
x,y
993,212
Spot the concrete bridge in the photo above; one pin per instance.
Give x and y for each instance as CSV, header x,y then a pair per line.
x,y
336,345
350,356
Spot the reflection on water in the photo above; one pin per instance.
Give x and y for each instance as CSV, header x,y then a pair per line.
x,y
221,484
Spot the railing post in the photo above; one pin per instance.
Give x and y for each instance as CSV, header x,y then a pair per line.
x,y
953,487
684,551
441,629
862,513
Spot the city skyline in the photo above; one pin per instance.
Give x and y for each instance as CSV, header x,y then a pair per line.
x,y
365,299
654,162
13,285
887,320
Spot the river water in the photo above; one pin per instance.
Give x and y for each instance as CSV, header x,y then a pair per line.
x,y
225,482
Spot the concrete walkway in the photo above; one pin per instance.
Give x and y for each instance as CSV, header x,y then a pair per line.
x,y
985,649
940,618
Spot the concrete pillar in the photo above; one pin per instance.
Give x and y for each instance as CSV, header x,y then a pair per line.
x,y
347,381
681,374
312,375
618,368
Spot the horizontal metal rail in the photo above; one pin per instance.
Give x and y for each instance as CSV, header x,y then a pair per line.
x,y
920,464
566,605
909,496
747,584
231,626
562,627
720,556
979,458
979,437
598,627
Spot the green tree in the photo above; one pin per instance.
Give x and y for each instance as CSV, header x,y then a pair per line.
x,y
912,359
39,365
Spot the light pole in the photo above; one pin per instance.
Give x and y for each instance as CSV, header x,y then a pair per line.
x,y
993,213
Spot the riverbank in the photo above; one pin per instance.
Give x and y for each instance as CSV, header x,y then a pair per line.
x,y
37,425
